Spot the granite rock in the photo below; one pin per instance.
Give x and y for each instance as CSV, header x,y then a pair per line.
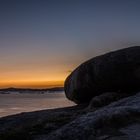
x,y
111,72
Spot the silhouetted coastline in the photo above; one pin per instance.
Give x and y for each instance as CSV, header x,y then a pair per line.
x,y
30,90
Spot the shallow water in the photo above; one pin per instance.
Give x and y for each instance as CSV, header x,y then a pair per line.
x,y
16,103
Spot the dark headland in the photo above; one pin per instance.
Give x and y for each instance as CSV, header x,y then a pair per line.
x,y
107,92
30,90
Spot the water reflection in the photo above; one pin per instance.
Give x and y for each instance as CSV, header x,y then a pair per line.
x,y
16,103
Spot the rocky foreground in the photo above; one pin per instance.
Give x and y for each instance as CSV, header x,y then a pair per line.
x,y
109,110
116,120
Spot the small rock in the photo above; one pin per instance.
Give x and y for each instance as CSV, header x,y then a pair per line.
x,y
105,99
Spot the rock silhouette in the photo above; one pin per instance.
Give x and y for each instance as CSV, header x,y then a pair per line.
x,y
111,72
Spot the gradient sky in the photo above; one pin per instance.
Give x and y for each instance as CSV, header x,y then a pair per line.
x,y
42,41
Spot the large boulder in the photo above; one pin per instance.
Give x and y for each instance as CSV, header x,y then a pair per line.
x,y
111,72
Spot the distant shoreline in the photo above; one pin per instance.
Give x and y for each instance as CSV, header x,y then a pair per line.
x,y
30,90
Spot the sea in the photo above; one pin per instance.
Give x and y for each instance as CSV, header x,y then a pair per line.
x,y
14,103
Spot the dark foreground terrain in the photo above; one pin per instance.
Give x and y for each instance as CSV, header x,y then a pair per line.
x,y
111,119
36,125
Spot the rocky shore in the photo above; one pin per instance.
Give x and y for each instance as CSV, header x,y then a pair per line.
x,y
107,92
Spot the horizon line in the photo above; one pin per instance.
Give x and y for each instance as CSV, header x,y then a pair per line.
x,y
32,84
30,88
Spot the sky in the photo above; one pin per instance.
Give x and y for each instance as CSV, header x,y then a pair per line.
x,y
42,41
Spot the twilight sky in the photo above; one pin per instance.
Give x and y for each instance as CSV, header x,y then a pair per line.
x,y
41,41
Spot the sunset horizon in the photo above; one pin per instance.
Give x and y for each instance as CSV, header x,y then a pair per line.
x,y
32,84
42,42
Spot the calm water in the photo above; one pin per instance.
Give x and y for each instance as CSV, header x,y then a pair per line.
x,y
17,103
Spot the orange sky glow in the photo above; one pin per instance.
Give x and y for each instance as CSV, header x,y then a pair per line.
x,y
32,84
33,77
32,80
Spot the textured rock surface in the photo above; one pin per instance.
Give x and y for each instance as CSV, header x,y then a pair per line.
x,y
119,120
105,99
111,72
29,126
